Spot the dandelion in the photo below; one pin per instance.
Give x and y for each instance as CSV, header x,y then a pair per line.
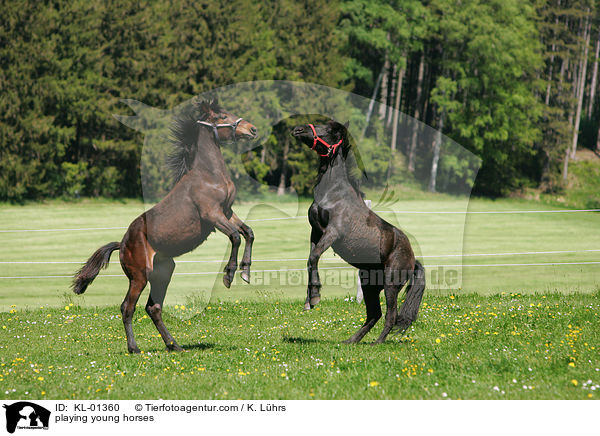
x,y
66,307
572,364
40,378
374,383
575,382
437,340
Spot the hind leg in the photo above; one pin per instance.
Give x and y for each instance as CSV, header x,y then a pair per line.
x,y
393,284
137,282
159,281
371,298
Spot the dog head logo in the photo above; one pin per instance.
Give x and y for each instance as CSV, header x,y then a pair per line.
x,y
24,414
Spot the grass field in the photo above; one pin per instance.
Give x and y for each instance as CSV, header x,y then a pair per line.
x,y
535,324
278,241
468,347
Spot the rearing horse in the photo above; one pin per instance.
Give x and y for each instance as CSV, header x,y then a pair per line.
x,y
340,219
199,202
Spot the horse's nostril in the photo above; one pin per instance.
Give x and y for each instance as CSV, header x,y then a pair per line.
x,y
253,130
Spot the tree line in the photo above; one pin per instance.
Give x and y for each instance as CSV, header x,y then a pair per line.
x,y
515,82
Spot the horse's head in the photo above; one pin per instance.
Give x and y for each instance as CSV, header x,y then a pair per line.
x,y
226,126
325,139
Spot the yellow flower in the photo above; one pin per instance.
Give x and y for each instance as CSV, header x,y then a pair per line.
x,y
572,364
575,382
66,307
437,340
40,378
373,384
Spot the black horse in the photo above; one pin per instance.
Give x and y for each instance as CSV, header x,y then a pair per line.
x,y
340,219
199,202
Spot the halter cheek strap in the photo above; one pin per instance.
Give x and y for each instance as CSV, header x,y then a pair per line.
x,y
330,148
216,126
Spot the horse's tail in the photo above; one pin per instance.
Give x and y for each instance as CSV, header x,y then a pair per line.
x,y
412,302
86,275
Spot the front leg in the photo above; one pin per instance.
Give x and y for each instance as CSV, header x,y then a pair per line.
x,y
248,235
320,242
222,223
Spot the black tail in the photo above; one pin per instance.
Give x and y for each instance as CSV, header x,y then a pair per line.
x,y
412,302
90,270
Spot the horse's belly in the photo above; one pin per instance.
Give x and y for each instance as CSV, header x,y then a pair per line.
x,y
358,250
177,236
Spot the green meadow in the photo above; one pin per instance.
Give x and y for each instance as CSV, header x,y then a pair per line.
x,y
515,318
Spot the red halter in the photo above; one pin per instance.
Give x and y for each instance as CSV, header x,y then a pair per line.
x,y
330,148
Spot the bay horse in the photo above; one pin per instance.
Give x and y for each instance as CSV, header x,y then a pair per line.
x,y
340,219
199,202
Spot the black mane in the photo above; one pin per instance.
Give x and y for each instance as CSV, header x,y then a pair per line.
x,y
355,168
184,138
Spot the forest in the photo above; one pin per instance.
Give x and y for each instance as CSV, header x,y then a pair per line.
x,y
514,82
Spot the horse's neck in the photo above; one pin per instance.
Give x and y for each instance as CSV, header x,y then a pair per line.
x,y
333,179
209,158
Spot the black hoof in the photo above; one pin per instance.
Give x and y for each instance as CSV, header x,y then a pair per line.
x,y
227,281
134,350
314,301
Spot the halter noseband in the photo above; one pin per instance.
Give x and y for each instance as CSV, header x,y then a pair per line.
x,y
215,126
330,148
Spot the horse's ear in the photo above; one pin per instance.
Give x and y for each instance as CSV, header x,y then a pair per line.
x,y
215,103
346,124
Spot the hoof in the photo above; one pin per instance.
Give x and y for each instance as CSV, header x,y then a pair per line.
x,y
174,347
307,306
134,350
314,301
245,275
227,281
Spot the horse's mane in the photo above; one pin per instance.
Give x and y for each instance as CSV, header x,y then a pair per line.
x,y
184,138
353,163
354,167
